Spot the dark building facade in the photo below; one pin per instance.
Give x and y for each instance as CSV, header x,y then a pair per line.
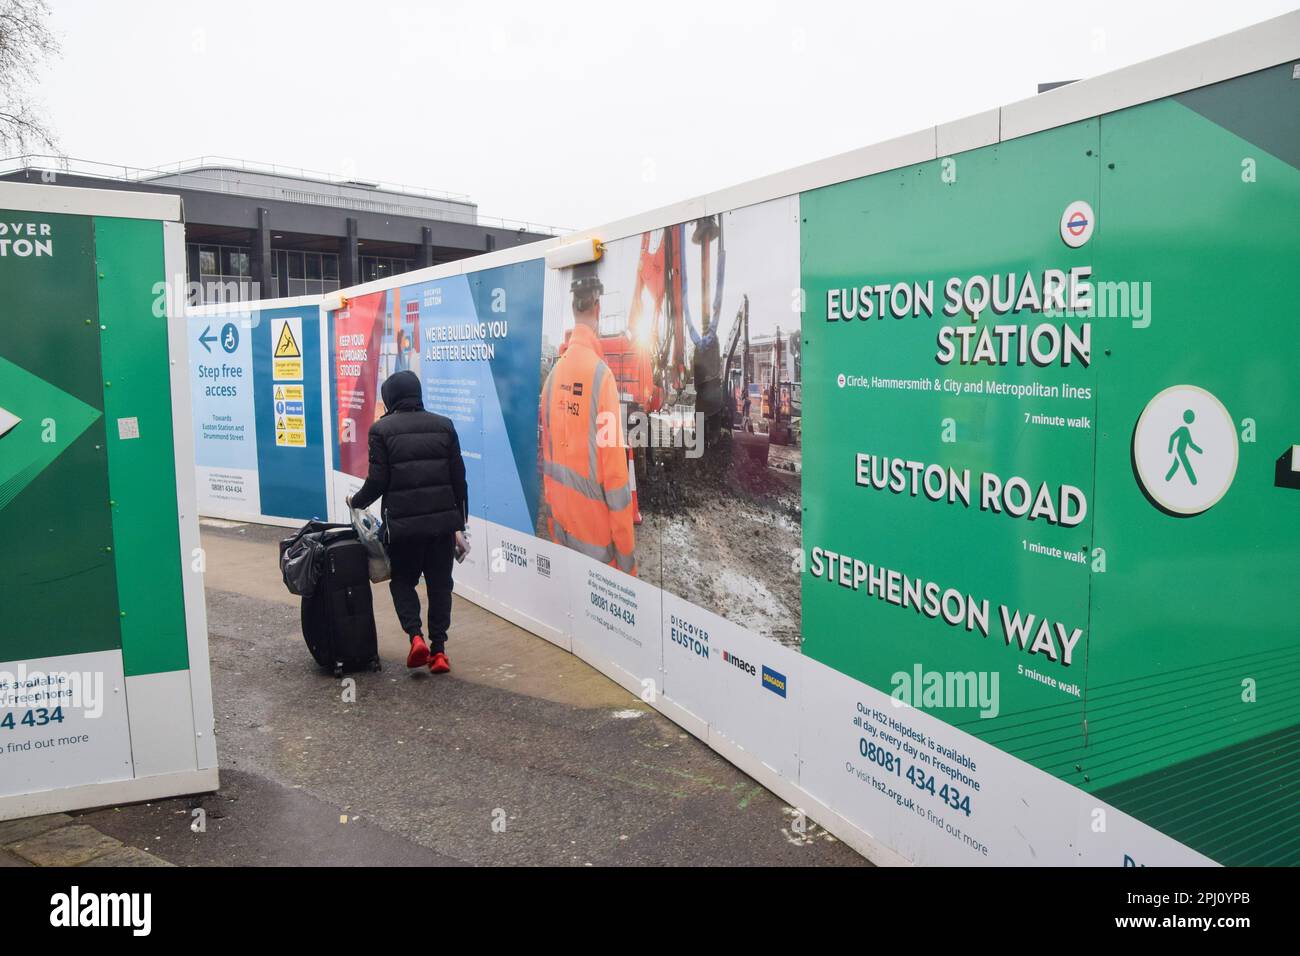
x,y
260,231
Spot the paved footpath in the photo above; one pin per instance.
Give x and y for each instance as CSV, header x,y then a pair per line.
x,y
522,755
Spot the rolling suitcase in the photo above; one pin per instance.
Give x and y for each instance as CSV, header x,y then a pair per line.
x,y
338,618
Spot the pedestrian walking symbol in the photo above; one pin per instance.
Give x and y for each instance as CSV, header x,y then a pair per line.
x,y
1185,450
1181,439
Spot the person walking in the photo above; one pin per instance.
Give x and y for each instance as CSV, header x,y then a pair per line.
x,y
1180,443
585,474
417,468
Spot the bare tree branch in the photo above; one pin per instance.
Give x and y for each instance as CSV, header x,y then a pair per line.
x,y
25,43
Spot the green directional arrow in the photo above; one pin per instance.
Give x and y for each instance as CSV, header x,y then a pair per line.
x,y
37,424
58,569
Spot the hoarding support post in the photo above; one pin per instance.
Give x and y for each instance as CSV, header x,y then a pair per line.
x,y
426,247
261,266
350,256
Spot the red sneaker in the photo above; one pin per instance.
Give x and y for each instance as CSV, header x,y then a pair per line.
x,y
439,664
419,655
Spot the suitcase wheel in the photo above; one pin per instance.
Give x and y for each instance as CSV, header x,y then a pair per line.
x,y
338,668
375,665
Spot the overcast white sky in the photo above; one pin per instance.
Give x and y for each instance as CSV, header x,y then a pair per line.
x,y
570,113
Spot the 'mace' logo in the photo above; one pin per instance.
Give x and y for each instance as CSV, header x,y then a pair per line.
x,y
740,663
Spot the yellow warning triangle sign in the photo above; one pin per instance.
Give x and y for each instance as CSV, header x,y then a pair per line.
x,y
279,393
287,346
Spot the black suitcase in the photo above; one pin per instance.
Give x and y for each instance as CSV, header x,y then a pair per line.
x,y
338,618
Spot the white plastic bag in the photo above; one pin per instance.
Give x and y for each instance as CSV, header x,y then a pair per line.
x,y
366,526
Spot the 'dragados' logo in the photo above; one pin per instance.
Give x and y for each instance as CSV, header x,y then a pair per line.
x,y
774,681
1185,450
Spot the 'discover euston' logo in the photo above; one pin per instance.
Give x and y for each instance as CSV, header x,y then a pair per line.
x,y
689,636
26,240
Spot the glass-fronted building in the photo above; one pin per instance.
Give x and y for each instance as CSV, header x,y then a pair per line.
x,y
258,231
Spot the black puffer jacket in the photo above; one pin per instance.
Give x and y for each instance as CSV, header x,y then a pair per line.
x,y
416,465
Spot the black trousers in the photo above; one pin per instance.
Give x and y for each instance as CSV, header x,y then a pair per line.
x,y
431,557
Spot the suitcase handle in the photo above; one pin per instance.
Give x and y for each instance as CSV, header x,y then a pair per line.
x,y
314,526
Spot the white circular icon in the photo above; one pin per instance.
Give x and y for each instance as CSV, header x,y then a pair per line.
x,y
1076,223
1185,450
841,379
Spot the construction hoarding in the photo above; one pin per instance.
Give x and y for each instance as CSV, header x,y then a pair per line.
x,y
104,690
1060,485
952,493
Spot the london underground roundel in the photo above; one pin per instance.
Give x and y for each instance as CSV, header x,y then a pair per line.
x,y
1077,223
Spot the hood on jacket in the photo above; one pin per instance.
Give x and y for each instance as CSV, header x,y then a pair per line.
x,y
401,393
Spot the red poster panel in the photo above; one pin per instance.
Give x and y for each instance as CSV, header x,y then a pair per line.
x,y
358,332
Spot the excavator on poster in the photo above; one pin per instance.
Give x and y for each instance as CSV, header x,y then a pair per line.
x,y
647,354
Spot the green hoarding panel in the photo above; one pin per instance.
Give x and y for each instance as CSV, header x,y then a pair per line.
x,y
876,388
1193,679
1175,423
56,567
97,616
142,468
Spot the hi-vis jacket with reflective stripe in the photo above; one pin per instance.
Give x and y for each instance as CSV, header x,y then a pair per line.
x,y
584,458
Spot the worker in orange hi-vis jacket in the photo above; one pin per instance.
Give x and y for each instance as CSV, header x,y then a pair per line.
x,y
584,455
